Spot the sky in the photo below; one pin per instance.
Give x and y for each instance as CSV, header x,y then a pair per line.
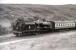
x,y
46,2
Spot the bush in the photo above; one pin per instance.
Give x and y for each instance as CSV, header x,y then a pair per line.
x,y
3,30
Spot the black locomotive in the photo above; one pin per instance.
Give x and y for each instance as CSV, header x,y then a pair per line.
x,y
21,27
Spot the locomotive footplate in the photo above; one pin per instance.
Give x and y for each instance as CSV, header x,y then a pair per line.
x,y
34,31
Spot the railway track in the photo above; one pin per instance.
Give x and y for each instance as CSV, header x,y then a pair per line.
x,y
10,38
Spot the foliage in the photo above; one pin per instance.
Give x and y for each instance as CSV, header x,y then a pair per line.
x,y
3,30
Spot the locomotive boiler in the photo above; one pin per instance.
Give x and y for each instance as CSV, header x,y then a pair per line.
x,y
21,27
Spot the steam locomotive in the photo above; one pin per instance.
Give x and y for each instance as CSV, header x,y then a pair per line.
x,y
20,27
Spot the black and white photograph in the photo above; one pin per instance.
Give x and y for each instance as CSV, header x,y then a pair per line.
x,y
37,25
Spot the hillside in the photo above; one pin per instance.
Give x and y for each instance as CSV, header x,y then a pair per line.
x,y
50,12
